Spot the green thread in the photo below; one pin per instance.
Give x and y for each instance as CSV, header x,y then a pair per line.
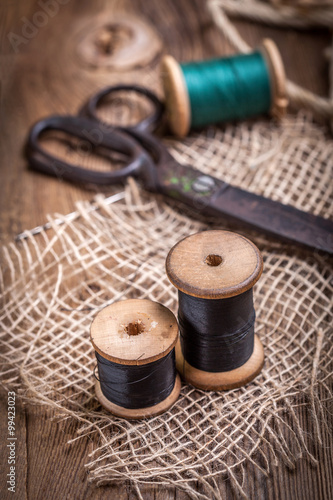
x,y
232,88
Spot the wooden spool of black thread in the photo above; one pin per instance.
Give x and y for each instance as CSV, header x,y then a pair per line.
x,y
214,272
135,342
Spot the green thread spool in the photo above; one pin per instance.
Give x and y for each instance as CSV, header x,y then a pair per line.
x,y
224,89
227,89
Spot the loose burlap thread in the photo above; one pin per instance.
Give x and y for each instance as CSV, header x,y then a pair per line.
x,y
52,285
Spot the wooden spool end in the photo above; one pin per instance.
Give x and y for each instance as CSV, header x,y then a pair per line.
x,y
177,101
216,265
277,75
135,332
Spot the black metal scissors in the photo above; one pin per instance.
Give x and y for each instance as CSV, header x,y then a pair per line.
x,y
147,159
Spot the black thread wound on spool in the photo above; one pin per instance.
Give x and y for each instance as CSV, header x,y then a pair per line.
x,y
217,335
137,386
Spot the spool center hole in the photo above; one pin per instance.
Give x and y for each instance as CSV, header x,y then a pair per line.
x,y
135,328
213,260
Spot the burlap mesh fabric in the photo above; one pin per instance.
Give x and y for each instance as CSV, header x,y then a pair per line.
x,y
52,285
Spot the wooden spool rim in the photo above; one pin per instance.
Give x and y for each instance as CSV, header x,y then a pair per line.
x,y
239,270
222,381
277,76
178,102
135,414
110,340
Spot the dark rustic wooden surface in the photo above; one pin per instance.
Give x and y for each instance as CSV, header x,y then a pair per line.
x,y
43,78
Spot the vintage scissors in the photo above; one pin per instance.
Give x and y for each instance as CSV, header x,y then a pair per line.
x,y
148,160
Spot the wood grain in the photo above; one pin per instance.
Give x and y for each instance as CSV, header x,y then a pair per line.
x,y
38,80
120,42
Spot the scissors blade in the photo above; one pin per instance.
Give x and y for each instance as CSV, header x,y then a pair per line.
x,y
274,218
214,197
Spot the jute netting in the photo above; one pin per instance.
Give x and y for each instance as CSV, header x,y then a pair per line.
x,y
53,284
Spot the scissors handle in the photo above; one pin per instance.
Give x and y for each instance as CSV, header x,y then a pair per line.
x,y
139,163
148,124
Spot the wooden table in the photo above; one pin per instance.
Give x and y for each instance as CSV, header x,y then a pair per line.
x,y
41,78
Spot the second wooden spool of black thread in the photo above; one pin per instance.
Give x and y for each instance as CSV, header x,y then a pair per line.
x,y
215,272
